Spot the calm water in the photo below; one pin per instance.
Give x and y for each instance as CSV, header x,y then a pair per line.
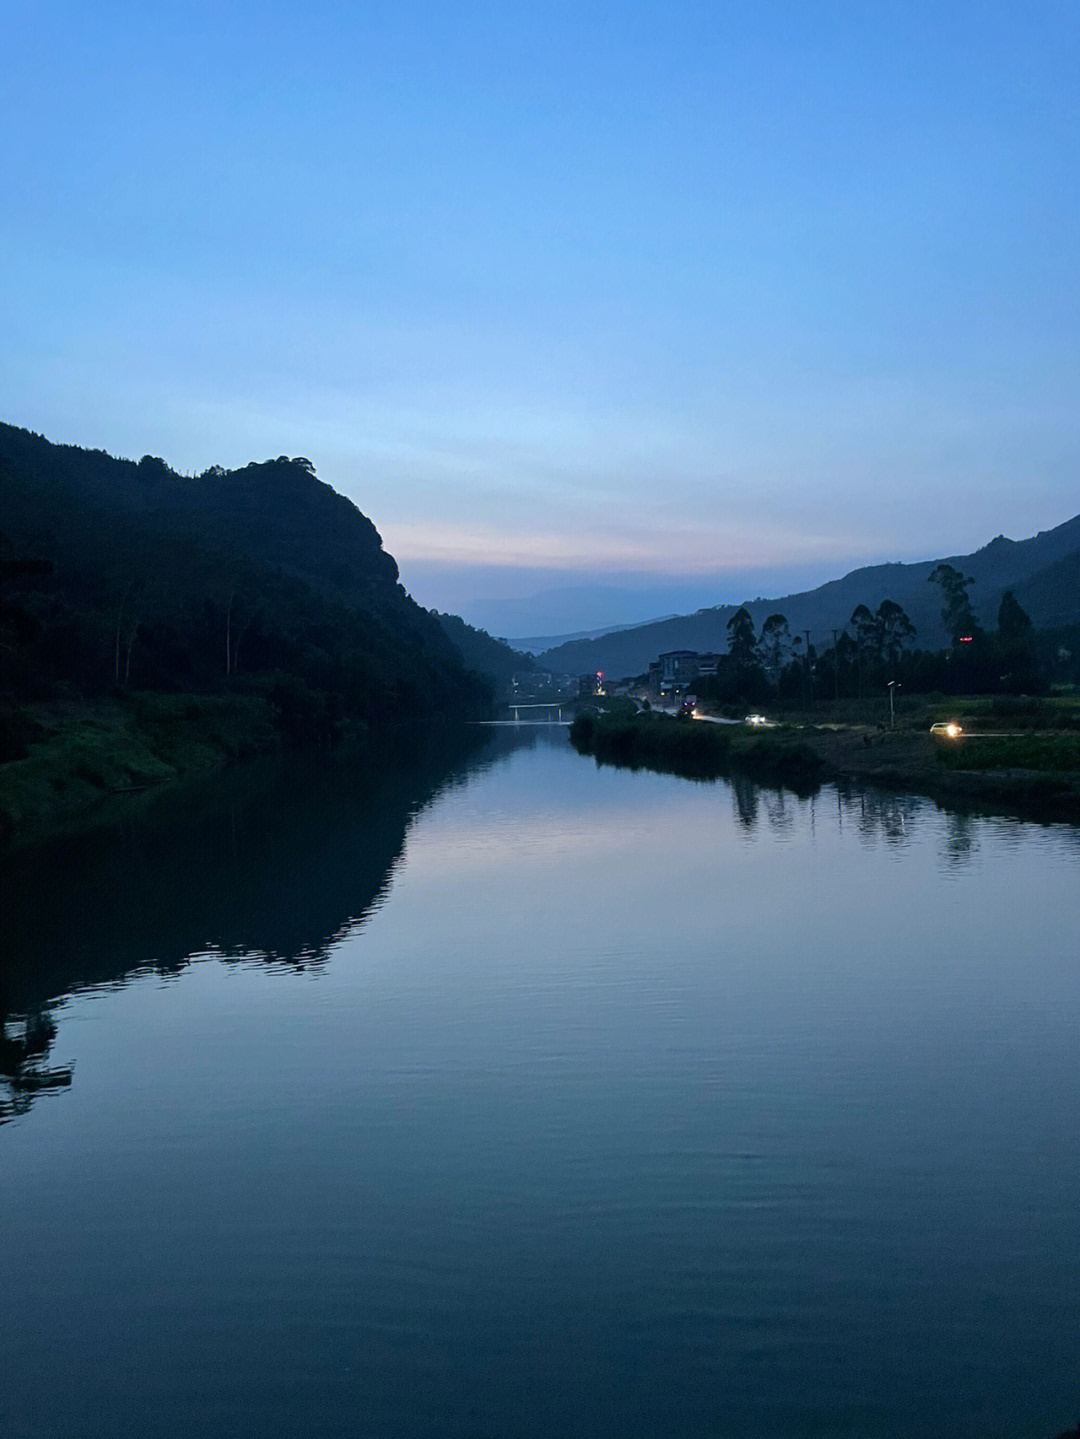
x,y
499,1095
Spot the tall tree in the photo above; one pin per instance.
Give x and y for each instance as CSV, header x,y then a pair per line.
x,y
957,615
774,645
1013,623
742,643
1018,659
862,622
893,630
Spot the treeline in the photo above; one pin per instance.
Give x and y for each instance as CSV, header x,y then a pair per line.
x,y
877,647
122,576
483,653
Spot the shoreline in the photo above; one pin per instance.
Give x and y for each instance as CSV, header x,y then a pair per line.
x,y
909,761
801,757
83,761
90,766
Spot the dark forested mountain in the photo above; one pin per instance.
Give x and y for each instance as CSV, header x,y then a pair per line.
x,y
1052,596
119,573
481,652
1042,571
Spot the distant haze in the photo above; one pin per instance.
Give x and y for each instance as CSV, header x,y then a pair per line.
x,y
568,608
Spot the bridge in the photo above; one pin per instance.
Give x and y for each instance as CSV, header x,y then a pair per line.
x,y
554,710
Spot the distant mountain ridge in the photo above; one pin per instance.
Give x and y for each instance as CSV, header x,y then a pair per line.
x,y
566,612
537,644
1044,572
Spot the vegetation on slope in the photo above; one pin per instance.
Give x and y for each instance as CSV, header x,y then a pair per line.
x,y
129,576
77,755
483,654
259,595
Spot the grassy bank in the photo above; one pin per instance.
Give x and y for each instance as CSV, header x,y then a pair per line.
x,y
1046,752
696,751
914,713
1034,772
71,758
977,772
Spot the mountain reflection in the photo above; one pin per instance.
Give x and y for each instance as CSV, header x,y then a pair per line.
x,y
273,862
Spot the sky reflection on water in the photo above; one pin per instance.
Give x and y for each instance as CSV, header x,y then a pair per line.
x,y
538,1098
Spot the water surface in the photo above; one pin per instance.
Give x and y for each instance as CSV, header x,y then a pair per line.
x,y
496,1094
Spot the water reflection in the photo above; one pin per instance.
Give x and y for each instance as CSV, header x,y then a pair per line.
x,y
745,794
25,1042
781,811
274,863
618,1118
884,815
961,843
876,815
892,818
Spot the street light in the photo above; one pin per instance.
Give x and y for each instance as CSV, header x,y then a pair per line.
x,y
894,685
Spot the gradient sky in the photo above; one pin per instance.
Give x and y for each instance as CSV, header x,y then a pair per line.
x,y
716,298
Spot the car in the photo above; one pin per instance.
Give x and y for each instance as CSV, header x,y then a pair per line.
x,y
949,728
759,720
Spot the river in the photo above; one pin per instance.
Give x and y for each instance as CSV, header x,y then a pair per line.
x,y
495,1095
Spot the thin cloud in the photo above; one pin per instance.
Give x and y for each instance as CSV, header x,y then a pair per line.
x,y
688,550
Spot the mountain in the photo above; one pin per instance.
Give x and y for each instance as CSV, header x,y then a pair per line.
x,y
482,654
1046,563
127,573
537,644
1052,596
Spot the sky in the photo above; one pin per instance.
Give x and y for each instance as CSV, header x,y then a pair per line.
x,y
638,307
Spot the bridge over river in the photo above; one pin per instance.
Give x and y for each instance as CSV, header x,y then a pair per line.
x,y
537,713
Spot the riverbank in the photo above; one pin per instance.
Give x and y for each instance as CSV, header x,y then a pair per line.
x,y
695,750
70,759
962,770
1035,775
70,768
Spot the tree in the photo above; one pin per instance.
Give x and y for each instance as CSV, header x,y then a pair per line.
x,y
742,644
863,623
1013,623
17,624
739,676
957,616
893,630
1017,656
845,655
774,645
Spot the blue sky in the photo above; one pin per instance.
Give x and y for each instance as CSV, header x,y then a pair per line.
x,y
703,299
